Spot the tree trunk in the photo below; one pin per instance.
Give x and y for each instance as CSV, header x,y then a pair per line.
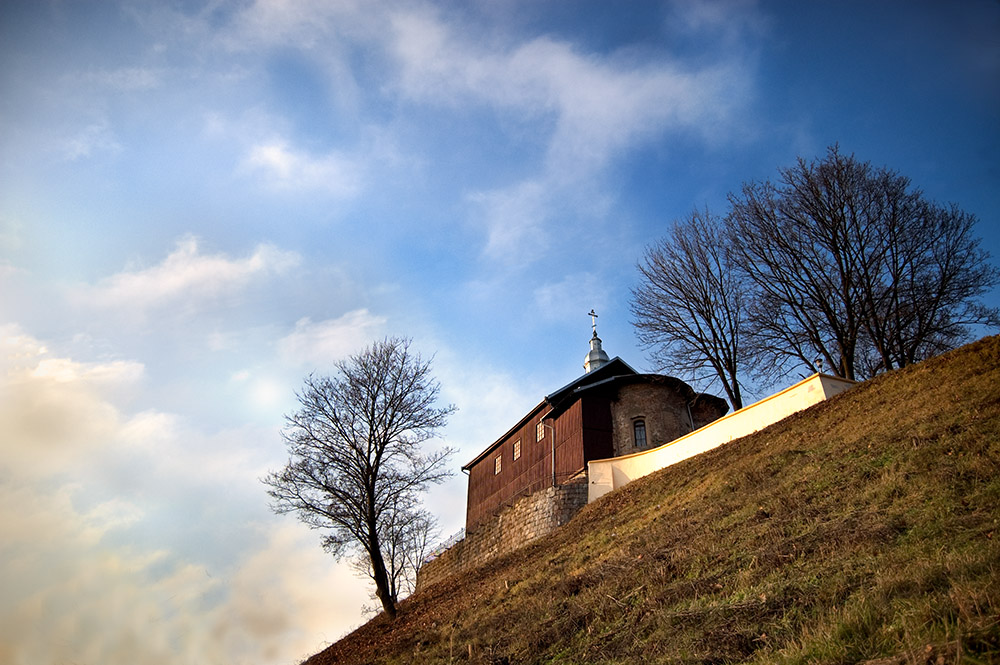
x,y
381,578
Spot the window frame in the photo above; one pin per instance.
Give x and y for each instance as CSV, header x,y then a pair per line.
x,y
639,424
498,464
517,450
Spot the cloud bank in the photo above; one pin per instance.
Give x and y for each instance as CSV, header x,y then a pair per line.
x,y
84,486
187,275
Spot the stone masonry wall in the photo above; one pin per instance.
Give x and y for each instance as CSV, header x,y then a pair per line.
x,y
527,519
661,407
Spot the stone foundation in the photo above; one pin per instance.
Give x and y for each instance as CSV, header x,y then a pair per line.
x,y
525,520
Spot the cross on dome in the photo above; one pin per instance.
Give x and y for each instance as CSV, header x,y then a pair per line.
x,y
597,357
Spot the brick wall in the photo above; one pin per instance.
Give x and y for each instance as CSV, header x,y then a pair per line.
x,y
526,519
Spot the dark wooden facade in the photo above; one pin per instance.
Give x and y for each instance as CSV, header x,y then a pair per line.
x,y
582,428
582,417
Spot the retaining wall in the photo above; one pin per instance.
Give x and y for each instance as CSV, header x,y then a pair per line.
x,y
609,474
525,520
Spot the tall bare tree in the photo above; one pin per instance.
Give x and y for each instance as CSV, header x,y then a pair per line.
x,y
798,242
357,461
919,297
689,305
853,270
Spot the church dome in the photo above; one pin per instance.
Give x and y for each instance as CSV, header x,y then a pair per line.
x,y
597,356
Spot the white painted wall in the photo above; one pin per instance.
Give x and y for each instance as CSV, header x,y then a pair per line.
x,y
609,474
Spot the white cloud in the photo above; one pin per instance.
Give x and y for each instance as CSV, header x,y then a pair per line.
x,y
726,24
11,234
319,344
187,275
601,105
177,563
303,23
126,79
595,108
17,348
285,168
8,271
95,137
586,108
514,219
64,370
595,104
122,605
287,601
53,411
570,297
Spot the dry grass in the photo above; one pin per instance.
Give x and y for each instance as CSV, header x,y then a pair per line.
x,y
861,530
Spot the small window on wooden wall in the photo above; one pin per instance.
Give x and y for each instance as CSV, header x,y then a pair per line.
x,y
540,432
496,465
639,433
517,448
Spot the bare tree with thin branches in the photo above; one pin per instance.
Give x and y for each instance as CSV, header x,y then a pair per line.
x,y
357,460
408,536
689,306
853,270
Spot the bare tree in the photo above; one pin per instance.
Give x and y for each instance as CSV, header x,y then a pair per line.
x,y
798,244
357,461
920,297
853,269
408,537
689,306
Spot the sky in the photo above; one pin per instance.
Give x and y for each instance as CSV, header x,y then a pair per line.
x,y
201,202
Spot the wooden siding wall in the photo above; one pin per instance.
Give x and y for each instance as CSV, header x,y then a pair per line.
x,y
530,473
582,433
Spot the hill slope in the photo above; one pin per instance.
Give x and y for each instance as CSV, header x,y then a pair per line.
x,y
863,529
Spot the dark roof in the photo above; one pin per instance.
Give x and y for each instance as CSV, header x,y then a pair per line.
x,y
610,376
615,366
613,383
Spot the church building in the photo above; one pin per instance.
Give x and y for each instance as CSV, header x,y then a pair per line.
x,y
610,410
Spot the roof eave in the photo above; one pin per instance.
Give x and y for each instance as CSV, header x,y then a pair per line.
x,y
519,425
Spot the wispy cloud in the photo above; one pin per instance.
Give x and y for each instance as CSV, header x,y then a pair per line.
x,y
283,167
514,218
727,23
11,234
187,274
571,296
601,105
589,109
319,344
306,24
126,79
95,137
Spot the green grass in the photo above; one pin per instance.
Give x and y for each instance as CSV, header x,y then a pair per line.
x,y
864,529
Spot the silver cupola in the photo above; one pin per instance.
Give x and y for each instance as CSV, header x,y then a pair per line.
x,y
597,357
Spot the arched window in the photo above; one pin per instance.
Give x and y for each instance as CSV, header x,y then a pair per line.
x,y
639,433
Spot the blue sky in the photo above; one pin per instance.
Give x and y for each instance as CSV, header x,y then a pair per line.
x,y
202,202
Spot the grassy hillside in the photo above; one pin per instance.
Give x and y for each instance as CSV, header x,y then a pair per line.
x,y
862,530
